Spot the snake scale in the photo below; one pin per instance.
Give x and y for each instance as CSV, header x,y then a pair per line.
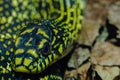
x,y
34,34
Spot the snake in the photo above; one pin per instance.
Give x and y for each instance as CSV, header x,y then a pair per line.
x,y
35,34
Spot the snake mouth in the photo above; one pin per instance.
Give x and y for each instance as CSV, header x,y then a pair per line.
x,y
27,62
27,65
32,61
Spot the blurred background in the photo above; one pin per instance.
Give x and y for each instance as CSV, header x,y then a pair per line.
x,y
97,55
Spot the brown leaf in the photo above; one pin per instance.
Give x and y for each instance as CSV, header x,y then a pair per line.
x,y
78,57
107,73
80,73
114,14
105,53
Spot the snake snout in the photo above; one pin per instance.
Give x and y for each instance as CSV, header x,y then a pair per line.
x,y
25,61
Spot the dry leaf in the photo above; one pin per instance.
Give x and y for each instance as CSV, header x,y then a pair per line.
x,y
88,33
80,73
114,14
79,56
105,53
107,73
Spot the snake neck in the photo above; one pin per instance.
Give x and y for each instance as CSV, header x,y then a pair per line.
x,y
63,36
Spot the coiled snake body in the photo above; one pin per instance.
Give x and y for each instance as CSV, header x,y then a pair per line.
x,y
35,34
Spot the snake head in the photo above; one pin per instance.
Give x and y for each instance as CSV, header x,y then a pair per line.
x,y
34,48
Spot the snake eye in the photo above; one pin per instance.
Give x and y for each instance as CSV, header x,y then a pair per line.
x,y
46,49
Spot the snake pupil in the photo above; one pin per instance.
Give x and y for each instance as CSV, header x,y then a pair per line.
x,y
46,49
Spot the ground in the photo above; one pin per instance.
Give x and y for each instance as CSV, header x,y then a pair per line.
x,y
96,56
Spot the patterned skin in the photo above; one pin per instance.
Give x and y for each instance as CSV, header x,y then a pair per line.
x,y
34,34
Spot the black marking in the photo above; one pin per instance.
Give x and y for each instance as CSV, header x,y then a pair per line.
x,y
56,5
63,20
55,15
34,31
46,50
65,5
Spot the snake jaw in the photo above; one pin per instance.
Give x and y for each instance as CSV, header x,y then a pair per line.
x,y
28,64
